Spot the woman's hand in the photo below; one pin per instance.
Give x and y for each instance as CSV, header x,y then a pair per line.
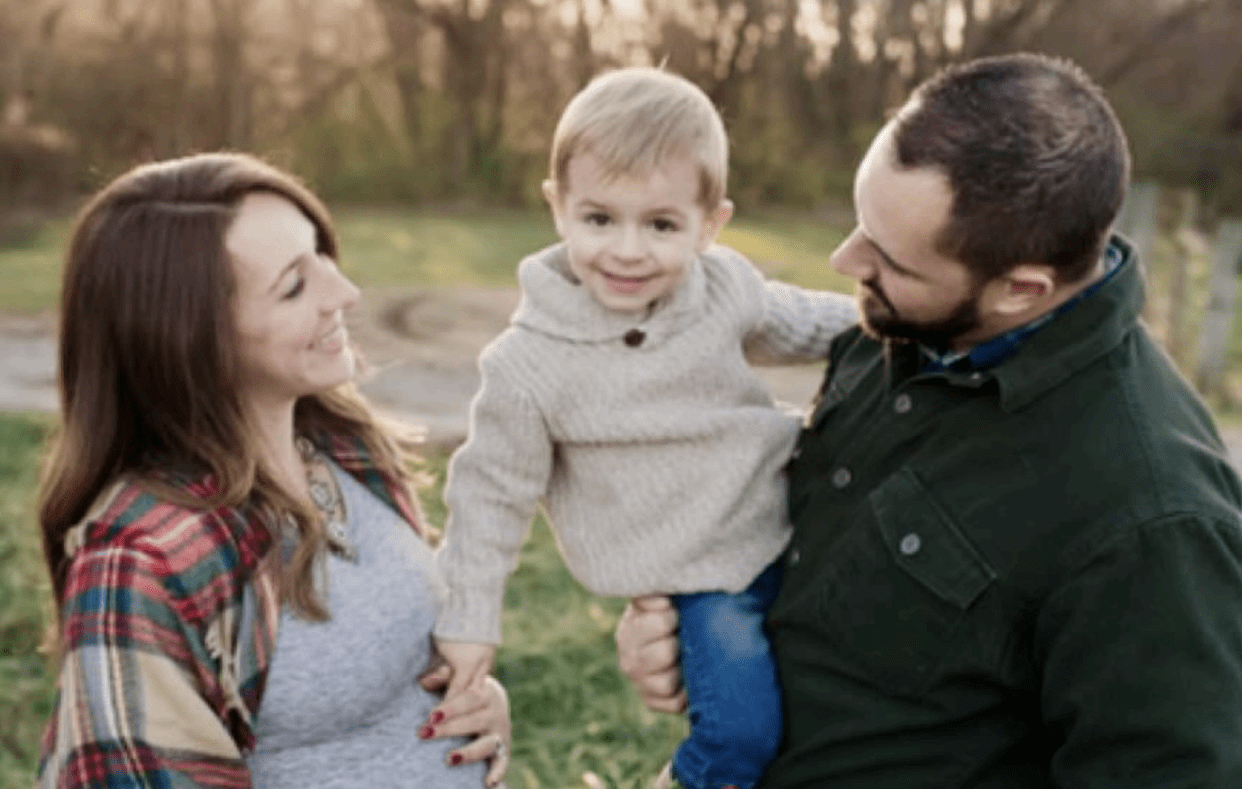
x,y
482,711
647,651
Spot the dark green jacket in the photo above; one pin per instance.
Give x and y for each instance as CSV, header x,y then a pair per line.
x,y
1026,576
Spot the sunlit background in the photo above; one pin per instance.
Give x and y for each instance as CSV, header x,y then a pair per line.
x,y
425,125
434,100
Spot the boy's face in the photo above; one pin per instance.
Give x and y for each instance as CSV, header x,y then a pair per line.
x,y
630,238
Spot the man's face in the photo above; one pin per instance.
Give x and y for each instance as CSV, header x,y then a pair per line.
x,y
905,288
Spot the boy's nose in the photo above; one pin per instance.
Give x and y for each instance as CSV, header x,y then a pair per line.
x,y
630,244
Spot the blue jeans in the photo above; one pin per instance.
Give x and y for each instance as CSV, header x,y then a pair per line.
x,y
730,677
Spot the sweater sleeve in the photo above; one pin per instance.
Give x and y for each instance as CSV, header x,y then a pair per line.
x,y
131,707
495,482
790,324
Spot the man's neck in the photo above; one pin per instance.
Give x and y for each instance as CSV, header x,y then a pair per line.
x,y
1048,304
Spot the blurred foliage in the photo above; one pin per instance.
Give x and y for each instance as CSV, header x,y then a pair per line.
x,y
471,246
418,101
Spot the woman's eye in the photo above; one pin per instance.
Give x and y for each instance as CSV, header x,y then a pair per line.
x,y
296,289
596,218
664,225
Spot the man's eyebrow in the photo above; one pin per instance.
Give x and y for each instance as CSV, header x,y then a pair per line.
x,y
891,262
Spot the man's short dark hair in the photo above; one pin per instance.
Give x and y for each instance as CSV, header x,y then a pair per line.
x,y
1035,157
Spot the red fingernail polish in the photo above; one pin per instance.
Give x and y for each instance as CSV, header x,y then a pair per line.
x,y
426,732
454,759
437,717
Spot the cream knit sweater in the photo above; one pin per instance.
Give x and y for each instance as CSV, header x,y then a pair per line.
x,y
659,463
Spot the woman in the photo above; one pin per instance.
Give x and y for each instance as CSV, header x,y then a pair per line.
x,y
245,589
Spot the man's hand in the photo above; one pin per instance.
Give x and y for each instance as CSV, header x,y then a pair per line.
x,y
469,663
647,651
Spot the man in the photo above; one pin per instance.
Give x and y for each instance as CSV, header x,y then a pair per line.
x,y
1017,551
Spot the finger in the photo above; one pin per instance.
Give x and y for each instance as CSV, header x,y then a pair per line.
x,y
637,659
497,768
484,747
450,709
662,704
651,603
435,678
459,682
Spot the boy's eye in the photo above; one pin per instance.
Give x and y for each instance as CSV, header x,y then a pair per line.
x,y
597,218
664,225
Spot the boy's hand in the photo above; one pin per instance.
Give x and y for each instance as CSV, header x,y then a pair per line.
x,y
469,662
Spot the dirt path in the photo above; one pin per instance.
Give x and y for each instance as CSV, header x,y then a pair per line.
x,y
421,343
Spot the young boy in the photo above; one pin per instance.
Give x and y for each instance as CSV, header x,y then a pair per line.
x,y
620,398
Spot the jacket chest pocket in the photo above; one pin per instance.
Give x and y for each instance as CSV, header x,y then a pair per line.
x,y
898,587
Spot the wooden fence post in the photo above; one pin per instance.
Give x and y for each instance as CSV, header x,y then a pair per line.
x,y
1137,222
1180,274
1218,322
1137,219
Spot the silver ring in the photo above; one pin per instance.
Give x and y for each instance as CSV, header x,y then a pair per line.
x,y
501,749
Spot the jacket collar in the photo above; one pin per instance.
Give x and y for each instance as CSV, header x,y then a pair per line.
x,y
1059,348
1076,338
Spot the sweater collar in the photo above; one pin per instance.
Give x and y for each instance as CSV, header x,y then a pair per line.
x,y
554,303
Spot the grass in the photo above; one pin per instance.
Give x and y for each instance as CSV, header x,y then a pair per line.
x,y
386,246
25,685
572,710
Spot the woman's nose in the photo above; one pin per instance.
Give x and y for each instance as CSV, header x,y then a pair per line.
x,y
342,293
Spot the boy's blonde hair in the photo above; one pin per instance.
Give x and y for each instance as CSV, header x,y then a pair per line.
x,y
634,119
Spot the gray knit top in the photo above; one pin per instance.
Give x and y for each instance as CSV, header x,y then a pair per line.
x,y
656,451
342,705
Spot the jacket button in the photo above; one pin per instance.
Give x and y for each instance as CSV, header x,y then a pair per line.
x,y
902,403
794,556
841,478
634,338
910,544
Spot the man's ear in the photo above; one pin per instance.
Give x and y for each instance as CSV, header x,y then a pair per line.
x,y
554,203
714,222
1026,287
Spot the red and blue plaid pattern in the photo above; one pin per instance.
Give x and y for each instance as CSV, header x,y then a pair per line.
x,y
169,621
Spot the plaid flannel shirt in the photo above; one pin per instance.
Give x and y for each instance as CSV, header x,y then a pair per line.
x,y
169,621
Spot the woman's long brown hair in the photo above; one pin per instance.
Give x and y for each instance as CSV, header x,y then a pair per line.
x,y
148,368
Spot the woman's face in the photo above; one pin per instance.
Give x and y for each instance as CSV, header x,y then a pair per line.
x,y
289,304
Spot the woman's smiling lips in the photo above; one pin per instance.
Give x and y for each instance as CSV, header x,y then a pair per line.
x,y
332,341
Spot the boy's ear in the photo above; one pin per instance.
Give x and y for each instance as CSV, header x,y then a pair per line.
x,y
550,195
714,223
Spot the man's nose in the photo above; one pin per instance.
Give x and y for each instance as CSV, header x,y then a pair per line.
x,y
849,257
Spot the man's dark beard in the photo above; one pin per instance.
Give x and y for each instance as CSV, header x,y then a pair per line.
x,y
888,323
